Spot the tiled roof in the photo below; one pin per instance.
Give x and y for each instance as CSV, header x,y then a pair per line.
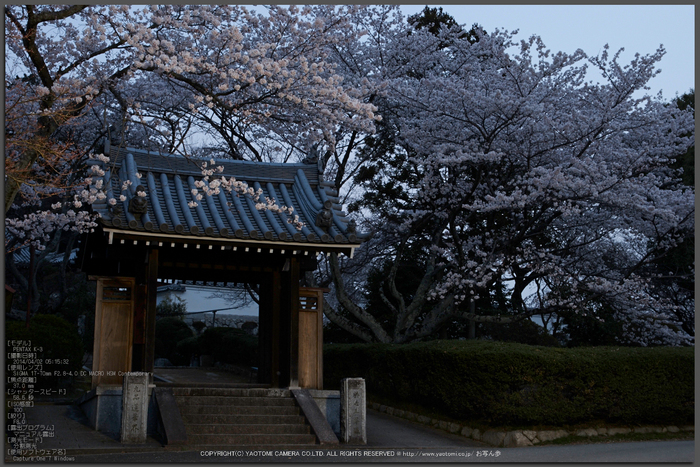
x,y
23,256
168,180
171,288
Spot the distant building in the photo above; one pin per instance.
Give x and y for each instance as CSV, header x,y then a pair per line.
x,y
227,314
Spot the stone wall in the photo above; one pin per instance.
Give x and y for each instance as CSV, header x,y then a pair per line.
x,y
224,320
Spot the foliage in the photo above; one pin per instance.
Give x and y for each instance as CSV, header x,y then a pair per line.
x,y
52,279
522,332
434,20
172,306
81,302
600,328
60,343
188,348
673,277
513,384
170,331
230,345
199,326
675,269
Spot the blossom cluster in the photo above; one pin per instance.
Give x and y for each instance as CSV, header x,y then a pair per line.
x,y
210,185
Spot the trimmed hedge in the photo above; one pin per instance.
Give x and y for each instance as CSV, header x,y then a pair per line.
x,y
514,384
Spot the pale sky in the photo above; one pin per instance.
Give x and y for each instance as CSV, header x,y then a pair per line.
x,y
637,28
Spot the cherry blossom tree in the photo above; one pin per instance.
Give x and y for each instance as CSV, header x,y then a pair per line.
x,y
261,82
512,172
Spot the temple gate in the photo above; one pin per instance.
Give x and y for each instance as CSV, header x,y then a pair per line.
x,y
155,232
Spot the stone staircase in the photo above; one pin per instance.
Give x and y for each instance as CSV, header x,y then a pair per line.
x,y
227,416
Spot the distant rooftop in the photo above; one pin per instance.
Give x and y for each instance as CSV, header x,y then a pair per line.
x,y
22,255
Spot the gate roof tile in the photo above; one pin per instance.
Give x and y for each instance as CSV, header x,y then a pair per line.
x,y
168,181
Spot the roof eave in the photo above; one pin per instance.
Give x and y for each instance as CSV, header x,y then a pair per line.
x,y
161,239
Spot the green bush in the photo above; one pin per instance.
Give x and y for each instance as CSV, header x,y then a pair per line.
x,y
81,301
199,326
522,332
172,307
170,331
506,384
188,348
230,345
59,342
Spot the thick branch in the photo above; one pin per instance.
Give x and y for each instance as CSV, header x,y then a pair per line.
x,y
47,16
346,324
391,280
345,301
29,43
443,311
408,318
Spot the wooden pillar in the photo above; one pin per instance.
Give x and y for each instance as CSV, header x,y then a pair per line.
x,y
150,318
291,302
311,337
138,358
138,350
265,339
277,326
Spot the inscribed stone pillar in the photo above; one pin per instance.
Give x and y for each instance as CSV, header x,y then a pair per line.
x,y
353,411
134,408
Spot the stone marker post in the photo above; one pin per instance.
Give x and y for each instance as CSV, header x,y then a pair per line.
x,y
353,411
134,408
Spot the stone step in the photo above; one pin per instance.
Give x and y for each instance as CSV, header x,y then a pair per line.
x,y
239,410
235,416
189,419
243,429
234,401
257,440
234,392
